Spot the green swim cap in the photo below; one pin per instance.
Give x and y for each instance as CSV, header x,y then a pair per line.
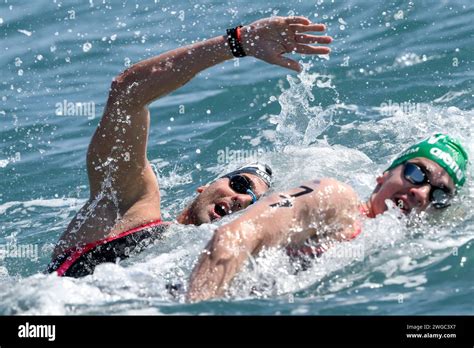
x,y
442,149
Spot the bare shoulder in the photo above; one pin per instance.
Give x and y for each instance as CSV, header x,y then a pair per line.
x,y
338,204
328,191
336,197
338,189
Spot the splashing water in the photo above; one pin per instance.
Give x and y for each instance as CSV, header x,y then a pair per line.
x,y
299,122
398,265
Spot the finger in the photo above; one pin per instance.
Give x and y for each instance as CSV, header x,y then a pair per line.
x,y
311,39
305,49
298,20
286,63
310,27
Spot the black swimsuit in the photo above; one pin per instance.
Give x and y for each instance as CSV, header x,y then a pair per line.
x,y
81,261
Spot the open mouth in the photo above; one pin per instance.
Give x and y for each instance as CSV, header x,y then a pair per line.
x,y
402,205
221,210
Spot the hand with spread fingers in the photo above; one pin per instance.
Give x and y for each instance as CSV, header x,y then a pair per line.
x,y
121,136
270,38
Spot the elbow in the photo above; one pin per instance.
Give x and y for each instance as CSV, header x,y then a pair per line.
x,y
214,271
121,80
124,88
221,261
223,246
228,250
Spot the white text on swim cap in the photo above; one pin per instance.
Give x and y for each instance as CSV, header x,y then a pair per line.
x,y
435,138
449,161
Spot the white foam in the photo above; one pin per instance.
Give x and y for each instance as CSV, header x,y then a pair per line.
x,y
49,203
25,32
402,61
450,96
3,163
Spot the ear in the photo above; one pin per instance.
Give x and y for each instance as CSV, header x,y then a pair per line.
x,y
381,178
201,189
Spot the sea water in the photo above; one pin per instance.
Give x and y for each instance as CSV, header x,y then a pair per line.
x,y
399,71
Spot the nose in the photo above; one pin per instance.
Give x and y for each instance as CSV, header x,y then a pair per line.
x,y
241,201
420,194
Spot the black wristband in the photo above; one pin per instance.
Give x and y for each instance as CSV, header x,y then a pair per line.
x,y
233,37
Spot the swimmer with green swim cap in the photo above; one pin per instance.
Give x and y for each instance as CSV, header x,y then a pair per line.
x,y
308,219
302,219
427,173
442,149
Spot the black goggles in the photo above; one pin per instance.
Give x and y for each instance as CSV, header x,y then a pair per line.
x,y
417,175
241,184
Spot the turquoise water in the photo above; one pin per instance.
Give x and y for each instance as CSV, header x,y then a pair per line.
x,y
335,119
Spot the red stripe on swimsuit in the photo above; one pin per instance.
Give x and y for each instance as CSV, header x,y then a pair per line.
x,y
81,261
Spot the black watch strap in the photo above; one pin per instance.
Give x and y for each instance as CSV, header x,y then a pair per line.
x,y
235,43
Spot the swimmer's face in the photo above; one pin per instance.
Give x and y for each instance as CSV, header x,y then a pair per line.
x,y
219,199
393,186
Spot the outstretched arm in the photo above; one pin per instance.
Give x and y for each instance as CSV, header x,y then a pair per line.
x,y
316,209
118,148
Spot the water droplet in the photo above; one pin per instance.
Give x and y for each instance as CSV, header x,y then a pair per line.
x,y
26,32
208,112
342,21
126,61
39,57
20,72
87,47
18,61
399,15
113,37
198,151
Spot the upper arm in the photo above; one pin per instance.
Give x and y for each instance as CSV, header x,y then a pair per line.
x,y
322,208
117,153
339,204
275,220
